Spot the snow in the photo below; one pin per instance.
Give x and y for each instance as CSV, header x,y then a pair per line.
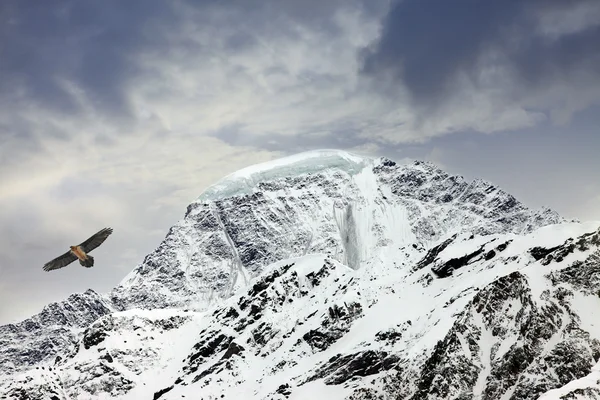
x,y
244,180
552,235
588,309
485,343
366,182
465,345
425,307
318,390
590,381
511,307
312,159
171,346
398,227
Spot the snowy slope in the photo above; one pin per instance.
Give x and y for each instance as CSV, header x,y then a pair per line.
x,y
514,324
328,275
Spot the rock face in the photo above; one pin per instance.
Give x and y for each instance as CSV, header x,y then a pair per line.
x,y
331,275
244,223
55,330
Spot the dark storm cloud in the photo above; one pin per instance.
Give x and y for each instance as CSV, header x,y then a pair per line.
x,y
313,13
89,43
425,43
94,44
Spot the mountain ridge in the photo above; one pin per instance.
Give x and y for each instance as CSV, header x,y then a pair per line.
x,y
441,225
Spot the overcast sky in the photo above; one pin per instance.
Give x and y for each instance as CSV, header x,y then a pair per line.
x,y
119,113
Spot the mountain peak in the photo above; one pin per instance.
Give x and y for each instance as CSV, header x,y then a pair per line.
x,y
285,279
243,180
298,204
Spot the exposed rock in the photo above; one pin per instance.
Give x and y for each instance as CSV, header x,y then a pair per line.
x,y
340,368
333,327
434,252
159,394
444,270
233,349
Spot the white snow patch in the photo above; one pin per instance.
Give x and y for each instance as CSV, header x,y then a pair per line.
x,y
588,309
486,341
244,180
319,390
465,345
551,235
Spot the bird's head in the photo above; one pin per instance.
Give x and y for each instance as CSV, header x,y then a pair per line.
x,y
73,248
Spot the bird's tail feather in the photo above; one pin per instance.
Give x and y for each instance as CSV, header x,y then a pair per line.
x,y
88,262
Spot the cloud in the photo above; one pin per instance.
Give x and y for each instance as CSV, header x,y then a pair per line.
x,y
121,114
287,79
262,68
86,42
489,66
266,71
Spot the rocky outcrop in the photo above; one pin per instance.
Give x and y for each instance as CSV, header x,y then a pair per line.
x,y
50,333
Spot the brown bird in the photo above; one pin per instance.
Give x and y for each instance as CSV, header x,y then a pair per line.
x,y
80,252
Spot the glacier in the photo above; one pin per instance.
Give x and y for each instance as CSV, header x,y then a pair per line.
x,y
245,180
328,274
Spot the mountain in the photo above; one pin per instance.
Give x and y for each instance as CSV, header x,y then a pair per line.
x,y
330,275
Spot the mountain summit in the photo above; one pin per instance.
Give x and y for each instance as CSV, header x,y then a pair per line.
x,y
331,275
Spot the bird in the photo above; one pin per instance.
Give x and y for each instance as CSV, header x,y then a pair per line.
x,y
80,252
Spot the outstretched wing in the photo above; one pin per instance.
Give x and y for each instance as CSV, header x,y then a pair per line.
x,y
96,240
60,261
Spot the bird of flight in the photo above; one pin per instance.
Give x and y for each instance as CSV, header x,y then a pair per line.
x,y
80,252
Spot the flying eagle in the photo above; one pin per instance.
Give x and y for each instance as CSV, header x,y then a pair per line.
x,y
80,252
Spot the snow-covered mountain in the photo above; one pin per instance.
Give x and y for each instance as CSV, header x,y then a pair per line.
x,y
329,275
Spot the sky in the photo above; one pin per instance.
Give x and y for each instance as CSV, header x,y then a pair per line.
x,y
119,113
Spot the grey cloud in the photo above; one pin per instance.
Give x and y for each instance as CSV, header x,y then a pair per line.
x,y
87,42
331,139
316,14
94,46
93,43
426,43
544,59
